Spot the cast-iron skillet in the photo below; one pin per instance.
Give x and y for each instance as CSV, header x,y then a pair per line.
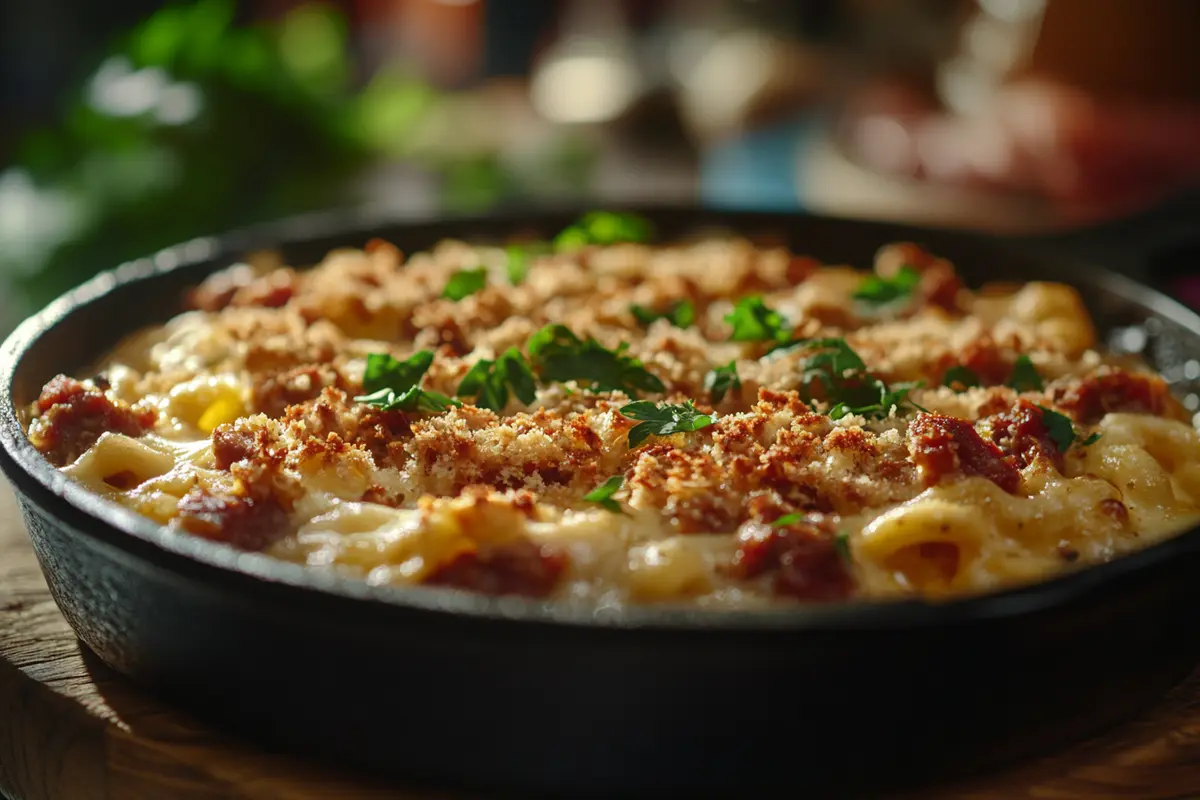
x,y
532,698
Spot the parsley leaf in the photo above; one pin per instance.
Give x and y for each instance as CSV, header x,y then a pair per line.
x,y
518,258
1062,432
604,227
847,384
841,543
465,282
753,321
489,381
720,380
681,314
788,519
390,384
603,493
962,376
663,420
1024,377
881,291
560,355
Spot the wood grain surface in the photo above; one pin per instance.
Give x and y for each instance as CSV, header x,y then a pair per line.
x,y
71,729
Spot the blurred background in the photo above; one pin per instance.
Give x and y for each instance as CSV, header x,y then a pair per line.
x,y
129,125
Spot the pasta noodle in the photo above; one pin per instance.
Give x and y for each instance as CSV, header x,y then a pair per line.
x,y
714,422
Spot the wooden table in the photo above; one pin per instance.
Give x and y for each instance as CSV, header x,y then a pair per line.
x,y
71,729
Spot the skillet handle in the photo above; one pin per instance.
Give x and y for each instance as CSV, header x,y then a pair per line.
x,y
1160,246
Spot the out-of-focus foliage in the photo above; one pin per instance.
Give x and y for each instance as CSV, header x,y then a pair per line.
x,y
195,123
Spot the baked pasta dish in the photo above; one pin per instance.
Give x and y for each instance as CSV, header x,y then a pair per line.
x,y
598,418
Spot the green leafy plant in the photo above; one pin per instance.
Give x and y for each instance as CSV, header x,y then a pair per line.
x,y
848,385
960,376
1062,431
878,291
603,494
753,321
1024,376
663,420
490,382
392,384
604,228
559,355
681,314
464,283
720,380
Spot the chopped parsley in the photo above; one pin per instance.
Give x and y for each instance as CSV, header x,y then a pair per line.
x,y
847,385
681,314
720,380
559,355
879,291
788,519
841,543
604,227
518,258
960,376
663,420
603,494
1062,432
753,321
489,382
465,282
1024,376
392,384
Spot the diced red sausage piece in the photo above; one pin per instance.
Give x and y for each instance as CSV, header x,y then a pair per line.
x,y
247,523
803,557
942,446
520,567
1022,435
73,416
1117,391
231,445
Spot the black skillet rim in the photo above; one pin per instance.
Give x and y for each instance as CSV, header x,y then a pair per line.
x,y
145,544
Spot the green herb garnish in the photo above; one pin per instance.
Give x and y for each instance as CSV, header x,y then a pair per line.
x,y
681,314
848,386
788,519
881,291
1024,377
841,543
602,228
961,376
720,380
560,355
1062,432
489,381
465,282
518,258
392,384
663,420
753,321
603,493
